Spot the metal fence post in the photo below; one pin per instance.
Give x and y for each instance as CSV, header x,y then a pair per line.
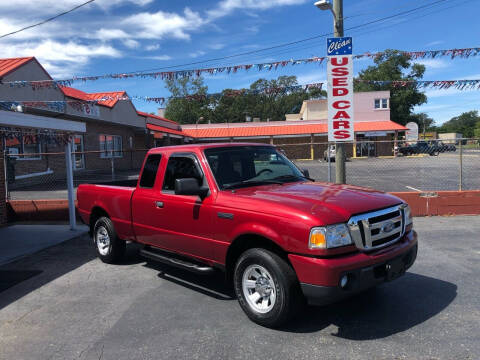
x,y
460,187
5,174
71,199
329,161
113,166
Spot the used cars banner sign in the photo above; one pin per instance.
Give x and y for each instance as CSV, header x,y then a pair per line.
x,y
340,89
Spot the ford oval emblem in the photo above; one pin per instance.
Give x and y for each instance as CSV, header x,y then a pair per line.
x,y
388,227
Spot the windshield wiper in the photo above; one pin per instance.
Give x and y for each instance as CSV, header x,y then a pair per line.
x,y
246,183
292,177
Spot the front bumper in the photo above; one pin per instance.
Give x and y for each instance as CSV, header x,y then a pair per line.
x,y
320,277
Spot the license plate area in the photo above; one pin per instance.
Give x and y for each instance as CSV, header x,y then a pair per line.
x,y
394,269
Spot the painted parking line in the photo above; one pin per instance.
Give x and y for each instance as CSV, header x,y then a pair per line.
x,y
412,188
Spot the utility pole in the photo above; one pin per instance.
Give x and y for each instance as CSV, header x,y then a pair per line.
x,y
340,176
337,10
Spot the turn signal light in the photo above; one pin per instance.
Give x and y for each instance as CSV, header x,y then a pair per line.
x,y
317,240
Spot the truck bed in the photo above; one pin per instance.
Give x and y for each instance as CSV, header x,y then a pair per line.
x,y
116,197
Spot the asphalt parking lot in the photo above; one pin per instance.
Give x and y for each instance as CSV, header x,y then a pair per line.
x,y
72,306
424,173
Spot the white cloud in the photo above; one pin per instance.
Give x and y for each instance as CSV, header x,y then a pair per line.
x,y
434,93
216,46
159,57
51,7
131,44
152,47
110,34
226,7
435,42
197,54
57,56
432,63
162,24
72,42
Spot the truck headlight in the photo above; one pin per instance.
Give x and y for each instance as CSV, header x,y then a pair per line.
x,y
408,218
408,215
330,236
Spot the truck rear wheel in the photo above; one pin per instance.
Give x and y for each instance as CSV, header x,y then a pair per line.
x,y
110,248
266,287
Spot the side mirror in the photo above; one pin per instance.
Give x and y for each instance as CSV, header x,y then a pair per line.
x,y
189,186
306,173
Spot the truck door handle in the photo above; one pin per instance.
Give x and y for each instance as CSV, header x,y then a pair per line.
x,y
159,204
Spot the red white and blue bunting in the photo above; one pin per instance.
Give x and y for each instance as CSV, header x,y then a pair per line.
x,y
163,75
60,106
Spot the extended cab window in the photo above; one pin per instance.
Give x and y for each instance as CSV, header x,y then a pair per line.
x,y
181,167
150,171
242,166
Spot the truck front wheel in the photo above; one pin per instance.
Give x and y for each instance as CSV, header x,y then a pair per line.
x,y
110,248
266,287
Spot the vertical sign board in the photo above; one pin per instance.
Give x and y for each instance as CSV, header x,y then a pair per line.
x,y
412,133
340,89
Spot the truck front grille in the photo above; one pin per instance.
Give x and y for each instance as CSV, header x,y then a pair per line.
x,y
377,229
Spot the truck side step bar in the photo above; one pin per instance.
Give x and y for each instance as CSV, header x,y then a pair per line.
x,y
175,260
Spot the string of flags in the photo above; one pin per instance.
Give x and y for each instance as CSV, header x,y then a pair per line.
x,y
164,75
79,105
424,84
59,105
19,135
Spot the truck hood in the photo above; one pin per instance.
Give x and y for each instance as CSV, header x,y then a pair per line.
x,y
328,203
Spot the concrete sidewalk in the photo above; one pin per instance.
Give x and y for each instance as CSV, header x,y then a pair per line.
x,y
19,240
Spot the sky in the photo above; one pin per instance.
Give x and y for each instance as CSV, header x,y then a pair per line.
x,y
114,36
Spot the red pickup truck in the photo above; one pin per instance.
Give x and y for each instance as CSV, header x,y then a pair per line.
x,y
247,210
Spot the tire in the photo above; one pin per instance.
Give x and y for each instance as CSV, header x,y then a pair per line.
x,y
278,292
110,249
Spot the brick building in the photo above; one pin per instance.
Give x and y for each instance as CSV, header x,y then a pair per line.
x,y
104,131
304,135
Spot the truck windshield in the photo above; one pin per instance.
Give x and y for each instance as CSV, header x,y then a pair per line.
x,y
243,166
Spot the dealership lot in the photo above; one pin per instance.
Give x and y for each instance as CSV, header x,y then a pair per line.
x,y
73,306
422,173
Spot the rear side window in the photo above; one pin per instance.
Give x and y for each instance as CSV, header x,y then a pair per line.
x,y
150,171
180,167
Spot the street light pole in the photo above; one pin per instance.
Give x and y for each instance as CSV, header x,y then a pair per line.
x,y
337,11
340,176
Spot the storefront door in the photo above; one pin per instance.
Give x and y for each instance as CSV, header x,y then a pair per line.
x,y
78,159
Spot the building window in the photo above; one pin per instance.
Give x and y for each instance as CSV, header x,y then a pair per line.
x,y
110,146
24,144
381,103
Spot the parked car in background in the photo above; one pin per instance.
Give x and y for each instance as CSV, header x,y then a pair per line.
x,y
245,209
330,153
420,147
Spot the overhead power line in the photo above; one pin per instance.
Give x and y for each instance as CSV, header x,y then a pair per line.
x,y
47,20
296,41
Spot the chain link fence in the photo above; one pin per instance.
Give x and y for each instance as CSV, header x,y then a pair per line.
x,y
383,165
39,176
424,165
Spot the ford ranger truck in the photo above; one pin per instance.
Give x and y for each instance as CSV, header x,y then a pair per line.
x,y
245,209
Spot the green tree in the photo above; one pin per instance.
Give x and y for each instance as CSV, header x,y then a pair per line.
x,y
465,124
476,131
266,99
393,65
188,102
